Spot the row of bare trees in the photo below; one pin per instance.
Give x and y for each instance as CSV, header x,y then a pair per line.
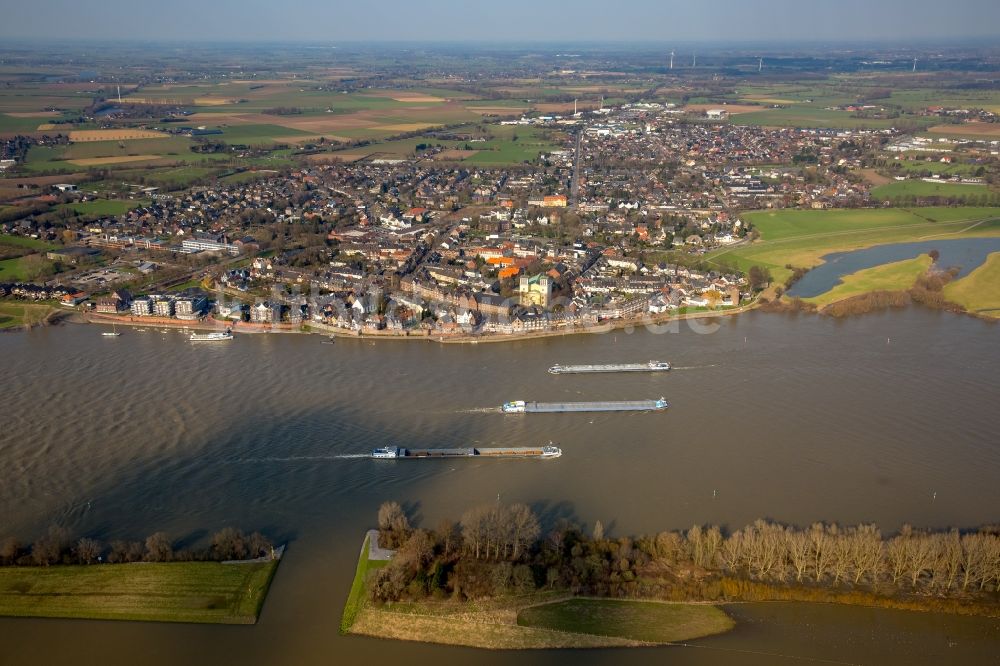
x,y
941,562
490,532
56,546
499,532
497,547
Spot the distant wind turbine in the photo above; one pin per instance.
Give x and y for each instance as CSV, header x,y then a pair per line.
x,y
694,60
760,65
914,64
671,58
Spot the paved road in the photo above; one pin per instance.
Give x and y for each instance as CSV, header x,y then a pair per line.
x,y
574,190
374,551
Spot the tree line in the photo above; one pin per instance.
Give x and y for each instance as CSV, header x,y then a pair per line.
x,y
57,547
494,550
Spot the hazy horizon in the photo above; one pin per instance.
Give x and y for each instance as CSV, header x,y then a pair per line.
x,y
516,21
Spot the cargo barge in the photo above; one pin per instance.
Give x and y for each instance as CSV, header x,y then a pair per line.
x,y
398,452
522,407
651,366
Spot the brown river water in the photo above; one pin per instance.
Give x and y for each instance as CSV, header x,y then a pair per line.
x,y
890,418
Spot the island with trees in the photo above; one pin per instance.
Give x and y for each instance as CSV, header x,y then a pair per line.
x,y
151,580
496,579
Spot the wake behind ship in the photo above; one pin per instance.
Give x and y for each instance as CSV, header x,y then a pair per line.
x,y
397,452
651,366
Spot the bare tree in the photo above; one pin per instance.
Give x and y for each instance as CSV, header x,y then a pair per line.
x,y
712,544
920,555
695,544
974,553
799,549
765,543
229,543
668,545
524,528
393,524
158,548
473,529
734,552
868,552
447,535
841,559
897,557
125,551
259,545
9,550
418,550
948,563
48,550
88,550
819,541
134,551
117,552
991,562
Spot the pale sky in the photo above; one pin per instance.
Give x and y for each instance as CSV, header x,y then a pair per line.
x,y
501,20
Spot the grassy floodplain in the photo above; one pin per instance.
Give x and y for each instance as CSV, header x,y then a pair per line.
x,y
208,592
802,237
922,188
979,291
16,314
648,621
895,276
356,597
104,206
540,620
543,620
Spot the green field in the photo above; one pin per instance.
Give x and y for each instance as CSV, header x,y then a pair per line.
x,y
809,117
230,97
88,149
15,313
788,224
255,134
502,148
935,167
166,150
505,149
646,621
356,597
168,177
169,592
895,276
103,207
14,270
921,98
802,237
813,103
20,125
24,241
979,291
48,158
922,189
245,176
